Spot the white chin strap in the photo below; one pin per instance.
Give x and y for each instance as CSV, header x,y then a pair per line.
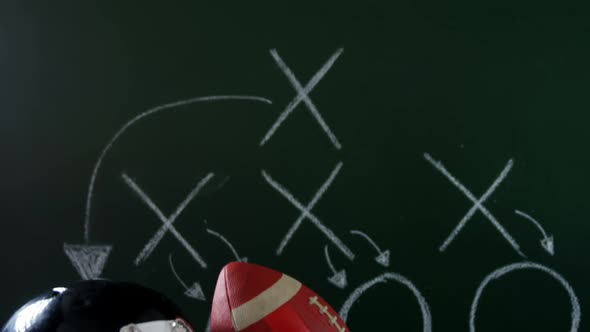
x,y
177,325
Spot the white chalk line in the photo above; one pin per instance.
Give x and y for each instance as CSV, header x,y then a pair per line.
x,y
167,221
329,261
175,273
302,95
357,232
478,204
306,213
208,327
134,120
356,294
226,241
497,274
531,219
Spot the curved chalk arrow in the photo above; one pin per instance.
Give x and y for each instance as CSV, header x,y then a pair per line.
x,y
195,291
89,260
383,256
136,119
222,238
384,278
547,242
339,277
499,273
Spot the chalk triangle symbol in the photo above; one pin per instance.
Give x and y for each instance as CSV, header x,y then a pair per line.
x,y
339,279
548,245
195,292
88,260
383,258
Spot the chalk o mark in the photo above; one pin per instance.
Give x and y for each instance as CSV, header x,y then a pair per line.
x,y
134,120
384,278
499,273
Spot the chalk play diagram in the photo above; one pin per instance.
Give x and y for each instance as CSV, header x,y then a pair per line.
x,y
89,259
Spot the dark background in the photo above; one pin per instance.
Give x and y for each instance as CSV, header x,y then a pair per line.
x,y
472,84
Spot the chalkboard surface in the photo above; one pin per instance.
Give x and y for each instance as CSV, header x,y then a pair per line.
x,y
421,165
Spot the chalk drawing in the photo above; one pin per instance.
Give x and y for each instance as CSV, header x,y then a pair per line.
x,y
477,204
384,278
133,121
306,212
547,241
167,221
382,257
499,273
338,278
195,291
88,260
208,326
231,247
303,95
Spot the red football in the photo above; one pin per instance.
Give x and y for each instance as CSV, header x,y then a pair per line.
x,y
252,298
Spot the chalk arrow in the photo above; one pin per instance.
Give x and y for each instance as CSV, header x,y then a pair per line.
x,y
547,241
548,244
383,257
195,291
88,260
339,278
233,250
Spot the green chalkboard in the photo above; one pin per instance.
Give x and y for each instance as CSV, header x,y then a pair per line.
x,y
434,153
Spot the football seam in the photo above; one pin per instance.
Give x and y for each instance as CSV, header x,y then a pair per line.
x,y
332,319
228,301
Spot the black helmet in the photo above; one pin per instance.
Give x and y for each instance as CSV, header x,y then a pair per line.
x,y
99,306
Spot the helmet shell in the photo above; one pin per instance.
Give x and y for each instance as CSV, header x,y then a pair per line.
x,y
94,306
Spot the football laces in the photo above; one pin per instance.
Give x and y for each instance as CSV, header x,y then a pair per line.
x,y
333,319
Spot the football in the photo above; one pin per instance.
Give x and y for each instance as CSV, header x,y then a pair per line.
x,y
252,298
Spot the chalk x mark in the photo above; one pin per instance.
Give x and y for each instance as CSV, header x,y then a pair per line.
x,y
134,120
499,273
303,95
382,256
306,212
547,241
384,278
477,203
167,221
88,260
195,291
338,278
231,247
